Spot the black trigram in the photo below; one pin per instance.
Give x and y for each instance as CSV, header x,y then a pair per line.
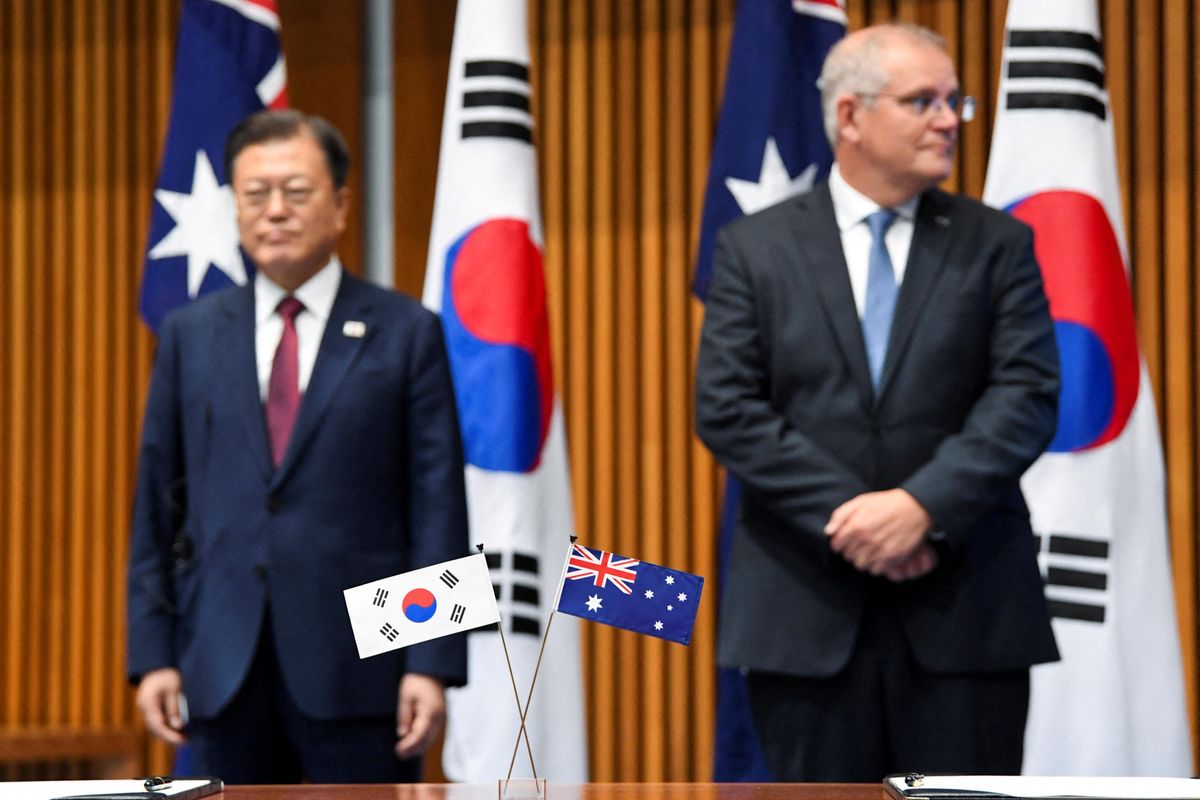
x,y
1071,79
388,631
457,614
1076,586
449,578
516,575
381,596
495,101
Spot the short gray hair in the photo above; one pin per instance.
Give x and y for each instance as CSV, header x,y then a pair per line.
x,y
854,65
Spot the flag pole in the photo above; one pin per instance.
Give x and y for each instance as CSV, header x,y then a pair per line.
x,y
537,666
517,698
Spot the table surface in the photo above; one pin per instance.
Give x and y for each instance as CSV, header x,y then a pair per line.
x,y
589,791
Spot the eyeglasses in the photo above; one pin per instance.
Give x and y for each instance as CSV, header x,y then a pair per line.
x,y
259,197
927,105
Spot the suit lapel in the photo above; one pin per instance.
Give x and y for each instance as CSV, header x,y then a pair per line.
x,y
334,358
235,360
932,234
820,245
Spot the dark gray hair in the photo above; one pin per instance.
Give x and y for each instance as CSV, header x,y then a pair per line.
x,y
854,65
271,126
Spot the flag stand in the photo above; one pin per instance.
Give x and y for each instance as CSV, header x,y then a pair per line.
x,y
536,787
523,788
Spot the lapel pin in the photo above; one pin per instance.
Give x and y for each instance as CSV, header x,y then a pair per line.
x,y
943,220
355,329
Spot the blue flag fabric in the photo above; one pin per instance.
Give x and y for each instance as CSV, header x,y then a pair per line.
x,y
631,594
770,145
228,64
770,141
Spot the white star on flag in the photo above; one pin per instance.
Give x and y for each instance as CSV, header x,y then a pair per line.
x,y
658,626
670,579
774,183
682,597
593,603
649,594
205,227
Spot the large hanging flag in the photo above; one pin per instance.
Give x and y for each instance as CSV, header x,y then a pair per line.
x,y
770,145
1114,705
485,277
228,64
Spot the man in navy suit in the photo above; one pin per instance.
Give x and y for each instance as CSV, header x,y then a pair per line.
x,y
878,367
300,438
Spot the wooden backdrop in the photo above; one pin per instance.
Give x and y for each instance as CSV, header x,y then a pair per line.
x,y
626,98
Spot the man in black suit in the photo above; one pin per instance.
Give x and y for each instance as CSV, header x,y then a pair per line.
x,y
300,438
878,367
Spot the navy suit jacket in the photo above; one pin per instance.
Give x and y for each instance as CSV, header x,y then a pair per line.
x,y
967,401
371,485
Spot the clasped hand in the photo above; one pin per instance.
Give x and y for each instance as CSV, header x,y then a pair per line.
x,y
883,534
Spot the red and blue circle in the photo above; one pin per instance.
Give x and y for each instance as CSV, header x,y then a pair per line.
x,y
419,605
498,337
1092,307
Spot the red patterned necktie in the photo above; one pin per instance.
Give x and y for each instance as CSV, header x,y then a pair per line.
x,y
283,392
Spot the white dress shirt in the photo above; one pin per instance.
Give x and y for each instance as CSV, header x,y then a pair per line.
x,y
317,295
851,209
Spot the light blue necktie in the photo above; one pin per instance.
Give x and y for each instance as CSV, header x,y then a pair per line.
x,y
881,294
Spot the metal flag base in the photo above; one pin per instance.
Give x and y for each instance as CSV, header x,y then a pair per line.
x,y
522,789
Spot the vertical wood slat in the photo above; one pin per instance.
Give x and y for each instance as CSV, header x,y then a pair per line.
x,y
1179,188
676,428
17,352
1185,549
644,751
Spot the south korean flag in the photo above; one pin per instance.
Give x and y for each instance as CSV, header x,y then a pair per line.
x,y
420,605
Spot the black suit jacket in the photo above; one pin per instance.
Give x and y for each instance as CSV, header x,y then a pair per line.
x,y
967,401
371,485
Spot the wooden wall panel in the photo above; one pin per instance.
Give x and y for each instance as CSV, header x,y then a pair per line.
x,y
85,92
626,96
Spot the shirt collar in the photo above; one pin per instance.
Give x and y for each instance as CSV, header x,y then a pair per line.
x,y
850,206
317,293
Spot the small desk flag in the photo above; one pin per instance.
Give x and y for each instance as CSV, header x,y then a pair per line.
x,y
420,605
626,593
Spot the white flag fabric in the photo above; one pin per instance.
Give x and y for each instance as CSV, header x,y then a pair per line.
x,y
1114,705
485,278
420,605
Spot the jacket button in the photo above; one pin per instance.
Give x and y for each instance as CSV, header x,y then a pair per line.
x,y
274,503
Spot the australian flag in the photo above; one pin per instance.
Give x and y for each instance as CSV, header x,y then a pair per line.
x,y
770,145
631,594
228,64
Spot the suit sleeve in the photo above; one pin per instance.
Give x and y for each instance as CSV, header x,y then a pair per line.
x,y
436,489
1015,416
785,470
159,511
